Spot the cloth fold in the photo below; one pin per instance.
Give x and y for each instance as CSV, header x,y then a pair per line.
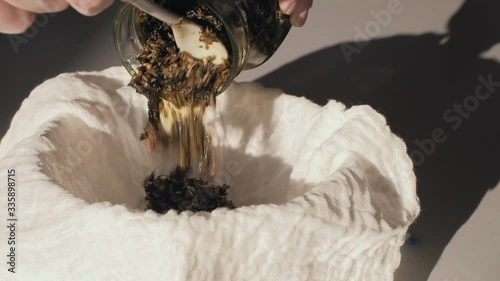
x,y
324,193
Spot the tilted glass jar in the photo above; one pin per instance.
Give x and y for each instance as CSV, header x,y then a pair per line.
x,y
255,28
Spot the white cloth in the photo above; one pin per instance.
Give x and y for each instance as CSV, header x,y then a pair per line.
x,y
326,193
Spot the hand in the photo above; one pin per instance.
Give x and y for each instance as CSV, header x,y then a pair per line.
x,y
297,9
16,16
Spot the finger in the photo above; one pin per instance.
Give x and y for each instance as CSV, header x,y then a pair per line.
x,y
288,6
14,20
90,7
297,9
299,16
299,19
39,6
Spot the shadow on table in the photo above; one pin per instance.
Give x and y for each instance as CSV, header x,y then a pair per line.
x,y
440,96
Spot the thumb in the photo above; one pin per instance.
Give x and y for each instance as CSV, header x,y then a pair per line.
x,y
297,9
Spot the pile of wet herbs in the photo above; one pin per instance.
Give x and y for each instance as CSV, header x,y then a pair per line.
x,y
177,192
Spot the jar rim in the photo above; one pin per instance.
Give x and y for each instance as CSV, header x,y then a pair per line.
x,y
123,11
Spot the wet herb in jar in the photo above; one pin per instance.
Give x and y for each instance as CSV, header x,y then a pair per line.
x,y
179,86
267,25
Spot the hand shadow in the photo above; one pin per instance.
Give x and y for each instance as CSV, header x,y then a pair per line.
x,y
437,94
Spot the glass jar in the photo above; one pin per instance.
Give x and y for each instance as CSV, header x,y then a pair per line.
x,y
255,28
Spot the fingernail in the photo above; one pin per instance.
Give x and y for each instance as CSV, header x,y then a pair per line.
x,y
287,6
300,19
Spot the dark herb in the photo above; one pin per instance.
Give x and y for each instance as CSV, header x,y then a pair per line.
x,y
178,192
178,86
266,24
